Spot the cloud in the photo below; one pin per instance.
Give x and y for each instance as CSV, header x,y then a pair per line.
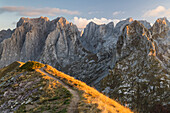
x,y
118,13
82,22
159,11
29,11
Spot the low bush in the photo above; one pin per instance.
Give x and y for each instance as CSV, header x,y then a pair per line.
x,y
31,66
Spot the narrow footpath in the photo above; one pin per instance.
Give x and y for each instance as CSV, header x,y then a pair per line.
x,y
73,107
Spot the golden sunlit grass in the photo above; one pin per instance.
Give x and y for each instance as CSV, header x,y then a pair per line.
x,y
90,95
91,101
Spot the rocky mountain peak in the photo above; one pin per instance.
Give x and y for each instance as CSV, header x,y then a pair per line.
x,y
32,21
160,26
132,49
61,20
136,27
4,34
94,36
162,21
127,21
161,35
111,25
145,23
134,38
45,18
130,19
120,25
91,24
141,60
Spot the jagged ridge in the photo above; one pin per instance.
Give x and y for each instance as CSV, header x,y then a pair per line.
x,y
90,55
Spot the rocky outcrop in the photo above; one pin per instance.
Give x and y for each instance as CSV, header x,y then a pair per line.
x,y
27,41
32,36
95,36
60,44
120,26
145,23
139,78
136,54
4,34
161,35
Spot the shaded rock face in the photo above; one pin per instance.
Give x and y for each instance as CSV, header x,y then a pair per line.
x,y
120,26
136,53
98,52
140,77
161,35
94,36
4,34
145,23
60,44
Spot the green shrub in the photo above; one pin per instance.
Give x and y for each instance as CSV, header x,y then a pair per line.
x,y
31,66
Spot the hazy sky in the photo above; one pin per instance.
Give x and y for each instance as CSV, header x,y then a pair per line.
x,y
81,12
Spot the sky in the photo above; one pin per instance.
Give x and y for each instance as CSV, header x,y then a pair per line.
x,y
81,12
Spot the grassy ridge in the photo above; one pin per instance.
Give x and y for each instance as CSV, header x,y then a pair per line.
x,y
90,96
30,91
41,93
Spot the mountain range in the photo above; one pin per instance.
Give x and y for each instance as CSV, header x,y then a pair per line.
x,y
128,61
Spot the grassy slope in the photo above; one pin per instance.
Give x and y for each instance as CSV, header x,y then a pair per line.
x,y
90,96
9,68
30,91
41,93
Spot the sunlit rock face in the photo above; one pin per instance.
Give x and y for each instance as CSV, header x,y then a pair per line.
x,y
140,79
59,43
32,37
136,54
26,42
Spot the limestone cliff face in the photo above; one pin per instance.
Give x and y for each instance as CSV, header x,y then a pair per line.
x,y
137,55
26,42
87,57
140,78
95,36
145,23
33,37
61,44
4,34
161,35
120,26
